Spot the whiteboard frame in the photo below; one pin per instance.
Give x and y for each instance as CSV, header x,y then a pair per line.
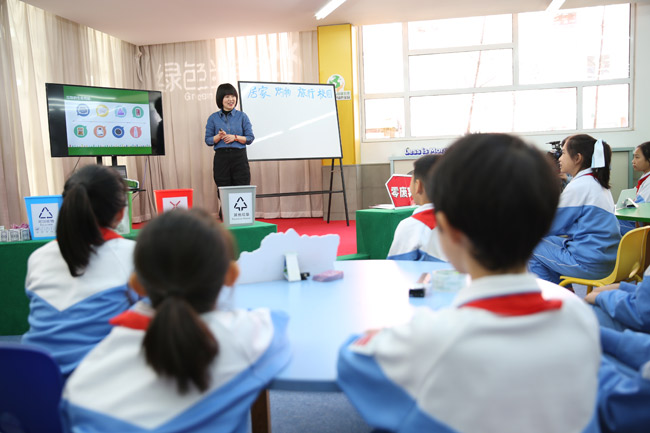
x,y
271,83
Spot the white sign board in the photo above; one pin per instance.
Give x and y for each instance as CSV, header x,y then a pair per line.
x,y
171,203
44,216
241,208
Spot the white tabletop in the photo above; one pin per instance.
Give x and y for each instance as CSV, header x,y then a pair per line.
x,y
372,294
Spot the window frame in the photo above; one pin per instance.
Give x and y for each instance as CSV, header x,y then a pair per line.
x,y
407,94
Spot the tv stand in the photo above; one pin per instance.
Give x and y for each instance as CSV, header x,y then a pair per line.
x,y
113,160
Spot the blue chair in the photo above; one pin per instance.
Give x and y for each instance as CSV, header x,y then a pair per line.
x,y
30,390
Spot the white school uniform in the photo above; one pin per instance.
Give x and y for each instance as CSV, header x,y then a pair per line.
x,y
584,236
502,359
416,237
115,390
69,315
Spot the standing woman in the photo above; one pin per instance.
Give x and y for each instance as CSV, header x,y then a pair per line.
x,y
78,282
228,131
584,237
640,162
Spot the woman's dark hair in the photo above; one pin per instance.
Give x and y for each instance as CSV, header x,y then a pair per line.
x,y
224,90
584,144
181,258
645,150
500,192
92,197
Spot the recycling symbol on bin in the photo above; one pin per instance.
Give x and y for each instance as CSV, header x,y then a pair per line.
x,y
240,204
45,214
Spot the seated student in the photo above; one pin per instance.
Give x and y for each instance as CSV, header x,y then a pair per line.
x,y
624,382
584,237
640,162
178,364
78,282
416,237
623,305
505,357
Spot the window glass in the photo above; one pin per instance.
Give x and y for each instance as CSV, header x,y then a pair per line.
x,y
459,32
383,65
384,118
605,106
461,70
519,111
574,45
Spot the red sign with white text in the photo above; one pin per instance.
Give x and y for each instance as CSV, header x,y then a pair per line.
x,y
399,191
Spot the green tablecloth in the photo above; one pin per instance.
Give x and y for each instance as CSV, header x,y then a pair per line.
x,y
14,306
375,230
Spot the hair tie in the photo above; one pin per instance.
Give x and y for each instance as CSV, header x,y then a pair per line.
x,y
598,157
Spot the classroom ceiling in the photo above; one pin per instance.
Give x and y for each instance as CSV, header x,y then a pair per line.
x,y
148,22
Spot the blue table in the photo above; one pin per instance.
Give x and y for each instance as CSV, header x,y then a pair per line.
x,y
372,294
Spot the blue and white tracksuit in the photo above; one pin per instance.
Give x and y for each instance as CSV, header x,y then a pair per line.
x,y
416,237
115,390
69,315
624,382
626,308
642,196
507,357
584,236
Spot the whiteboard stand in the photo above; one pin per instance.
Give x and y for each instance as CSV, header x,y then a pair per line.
x,y
330,192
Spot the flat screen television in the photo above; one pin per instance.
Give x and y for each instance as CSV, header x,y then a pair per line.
x,y
101,121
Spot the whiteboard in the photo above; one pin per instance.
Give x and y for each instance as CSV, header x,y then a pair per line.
x,y
291,120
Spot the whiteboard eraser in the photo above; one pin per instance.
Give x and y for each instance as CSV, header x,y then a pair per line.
x,y
330,275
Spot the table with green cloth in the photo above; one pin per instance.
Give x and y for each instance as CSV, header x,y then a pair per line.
x,y
640,214
375,229
14,306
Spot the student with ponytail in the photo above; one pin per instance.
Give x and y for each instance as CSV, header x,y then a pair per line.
x,y
78,282
179,364
584,237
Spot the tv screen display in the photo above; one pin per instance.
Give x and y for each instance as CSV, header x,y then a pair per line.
x,y
101,121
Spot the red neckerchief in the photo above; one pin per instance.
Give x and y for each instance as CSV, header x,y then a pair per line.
x,y
521,304
638,184
109,234
428,217
131,319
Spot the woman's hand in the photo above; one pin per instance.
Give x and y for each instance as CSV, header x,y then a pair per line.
x,y
229,138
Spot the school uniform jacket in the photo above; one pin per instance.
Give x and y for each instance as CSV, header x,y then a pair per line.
x,y
624,382
585,215
502,359
629,305
114,390
416,237
69,315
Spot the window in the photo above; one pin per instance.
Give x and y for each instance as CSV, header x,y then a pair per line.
x,y
531,72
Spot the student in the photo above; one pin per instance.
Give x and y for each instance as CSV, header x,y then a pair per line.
x,y
624,382
503,358
584,237
416,237
78,282
178,364
640,162
623,305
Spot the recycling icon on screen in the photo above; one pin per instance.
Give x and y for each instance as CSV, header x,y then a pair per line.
x,y
240,204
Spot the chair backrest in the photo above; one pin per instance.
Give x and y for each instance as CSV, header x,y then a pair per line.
x,y
30,390
630,260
